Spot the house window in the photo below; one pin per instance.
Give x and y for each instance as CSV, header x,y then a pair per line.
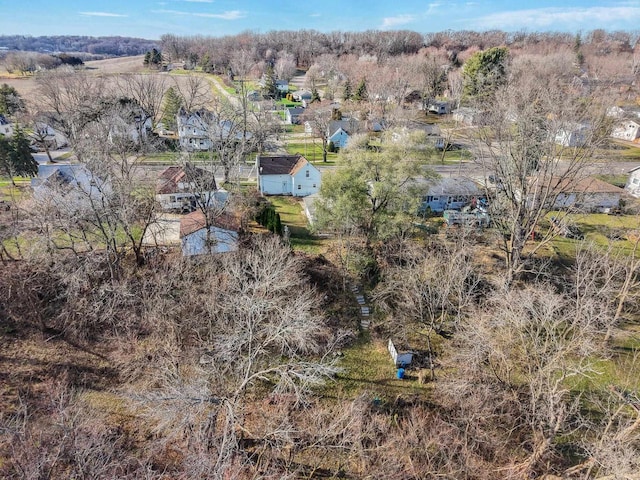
x,y
635,181
299,187
172,198
314,185
307,174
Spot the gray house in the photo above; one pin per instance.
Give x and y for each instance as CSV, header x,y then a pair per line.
x,y
452,193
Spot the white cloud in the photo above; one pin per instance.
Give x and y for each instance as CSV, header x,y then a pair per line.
x,y
315,15
553,16
171,12
231,15
101,14
390,22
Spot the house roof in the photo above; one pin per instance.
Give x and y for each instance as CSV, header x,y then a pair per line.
x,y
3,120
588,185
349,125
453,186
281,164
169,179
195,221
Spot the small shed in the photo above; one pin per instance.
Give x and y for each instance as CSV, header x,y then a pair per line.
x,y
399,358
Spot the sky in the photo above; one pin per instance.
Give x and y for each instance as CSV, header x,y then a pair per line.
x,y
152,18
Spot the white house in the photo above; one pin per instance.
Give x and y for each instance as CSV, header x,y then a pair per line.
x,y
179,189
223,234
193,132
626,130
572,135
287,175
633,183
199,130
588,195
49,135
451,193
302,95
292,115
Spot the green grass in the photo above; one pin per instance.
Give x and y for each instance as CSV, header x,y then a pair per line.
x,y
19,191
367,367
291,215
311,150
617,180
288,104
227,88
599,228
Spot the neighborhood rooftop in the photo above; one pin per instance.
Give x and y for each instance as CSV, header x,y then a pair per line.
x,y
281,164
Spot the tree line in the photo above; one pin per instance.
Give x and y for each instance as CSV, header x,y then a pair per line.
x,y
114,46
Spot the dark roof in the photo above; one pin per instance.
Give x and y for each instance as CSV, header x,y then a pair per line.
x,y
170,178
349,125
281,164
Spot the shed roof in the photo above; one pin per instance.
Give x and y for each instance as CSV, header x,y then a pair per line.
x,y
195,221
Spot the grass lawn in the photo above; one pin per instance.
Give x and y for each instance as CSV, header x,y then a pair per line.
x,y
599,228
227,88
368,368
312,151
9,192
288,103
616,151
617,180
291,215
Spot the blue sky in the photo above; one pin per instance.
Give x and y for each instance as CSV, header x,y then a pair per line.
x,y
152,18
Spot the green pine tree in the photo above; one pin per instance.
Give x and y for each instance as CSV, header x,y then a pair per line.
x,y
15,156
361,94
278,225
269,88
348,90
172,104
315,96
10,100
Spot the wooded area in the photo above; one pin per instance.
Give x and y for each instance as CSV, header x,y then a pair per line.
x,y
126,358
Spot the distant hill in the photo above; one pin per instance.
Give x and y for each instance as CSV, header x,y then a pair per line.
x,y
116,46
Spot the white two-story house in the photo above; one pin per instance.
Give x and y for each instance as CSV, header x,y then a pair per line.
x,y
287,175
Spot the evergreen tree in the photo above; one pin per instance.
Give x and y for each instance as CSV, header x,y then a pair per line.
x,y
361,94
278,225
10,100
484,72
315,96
348,90
153,58
270,90
172,104
15,156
